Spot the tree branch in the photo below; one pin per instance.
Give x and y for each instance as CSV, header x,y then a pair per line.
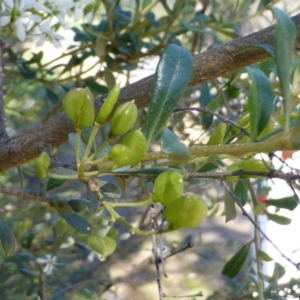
x,y
3,134
207,65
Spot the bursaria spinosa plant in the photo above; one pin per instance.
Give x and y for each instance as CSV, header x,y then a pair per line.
x,y
108,166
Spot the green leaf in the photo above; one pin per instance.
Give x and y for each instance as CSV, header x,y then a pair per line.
x,y
92,201
285,36
78,204
278,219
268,48
62,171
205,99
289,203
264,256
230,211
72,141
147,172
110,190
77,222
61,206
236,263
26,72
109,79
7,239
54,183
171,145
218,135
241,191
260,101
278,272
172,75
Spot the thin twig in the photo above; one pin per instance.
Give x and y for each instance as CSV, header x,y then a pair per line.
x,y
3,133
222,118
237,201
26,194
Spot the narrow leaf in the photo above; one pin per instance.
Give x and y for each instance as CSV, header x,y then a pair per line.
x,y
289,203
278,272
54,183
109,79
170,144
78,204
264,256
7,239
77,222
72,141
92,201
230,211
260,102
205,99
241,191
172,75
236,263
278,219
110,190
285,36
62,171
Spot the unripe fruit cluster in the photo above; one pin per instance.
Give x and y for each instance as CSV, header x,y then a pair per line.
x,y
181,211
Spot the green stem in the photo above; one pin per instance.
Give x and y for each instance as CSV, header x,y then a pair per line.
x,y
100,149
77,146
132,204
108,227
257,246
91,140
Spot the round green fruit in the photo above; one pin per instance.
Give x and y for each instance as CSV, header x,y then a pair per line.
x,y
186,212
78,105
167,187
130,151
123,119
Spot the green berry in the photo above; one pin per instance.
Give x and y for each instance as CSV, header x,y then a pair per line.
x,y
167,187
78,105
108,105
123,119
104,245
186,212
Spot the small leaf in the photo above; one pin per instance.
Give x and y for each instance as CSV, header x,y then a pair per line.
x,y
109,79
278,272
77,222
236,263
264,256
62,171
148,172
248,165
289,203
205,99
72,141
278,219
77,204
92,201
7,239
54,183
110,190
218,135
61,206
26,72
241,192
260,101
172,75
230,211
285,36
268,48
171,145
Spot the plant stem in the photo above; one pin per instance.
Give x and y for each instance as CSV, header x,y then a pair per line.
x,y
91,140
257,246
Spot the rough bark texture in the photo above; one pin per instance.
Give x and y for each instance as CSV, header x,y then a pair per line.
x,y
207,65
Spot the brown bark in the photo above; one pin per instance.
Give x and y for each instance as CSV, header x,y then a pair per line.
x,y
207,65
